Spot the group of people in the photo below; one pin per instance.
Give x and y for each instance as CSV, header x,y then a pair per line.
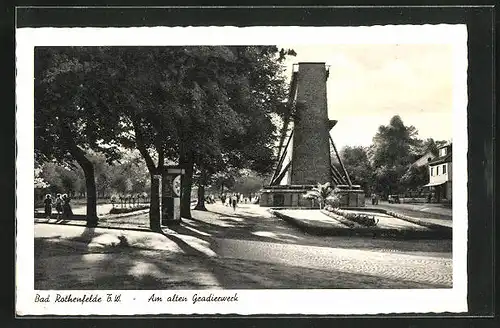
x,y
210,199
61,205
233,200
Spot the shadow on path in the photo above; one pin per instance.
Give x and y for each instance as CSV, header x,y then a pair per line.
x,y
136,269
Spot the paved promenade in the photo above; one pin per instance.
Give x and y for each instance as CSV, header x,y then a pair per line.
x,y
246,248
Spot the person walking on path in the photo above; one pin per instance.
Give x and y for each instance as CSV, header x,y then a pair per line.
x,y
234,200
67,213
59,203
48,206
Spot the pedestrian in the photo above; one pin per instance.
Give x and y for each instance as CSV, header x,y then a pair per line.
x,y
234,200
48,206
67,213
58,205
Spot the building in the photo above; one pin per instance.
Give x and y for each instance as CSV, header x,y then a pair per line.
x,y
424,159
440,174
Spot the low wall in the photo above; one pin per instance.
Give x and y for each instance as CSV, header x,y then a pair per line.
x,y
292,197
286,198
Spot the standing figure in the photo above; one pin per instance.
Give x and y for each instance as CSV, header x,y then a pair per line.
x,y
48,206
234,200
59,207
67,213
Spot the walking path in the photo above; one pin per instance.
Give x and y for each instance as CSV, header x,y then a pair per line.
x,y
245,248
435,209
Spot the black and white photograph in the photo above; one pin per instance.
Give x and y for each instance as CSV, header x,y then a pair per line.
x,y
217,169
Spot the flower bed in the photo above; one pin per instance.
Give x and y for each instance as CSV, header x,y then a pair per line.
x,y
340,218
118,210
361,219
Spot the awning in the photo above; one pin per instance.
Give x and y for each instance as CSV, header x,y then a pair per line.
x,y
432,184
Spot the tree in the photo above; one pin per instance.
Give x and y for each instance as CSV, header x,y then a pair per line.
x,y
224,180
320,193
392,152
228,98
357,164
249,182
205,108
415,177
431,145
40,182
69,119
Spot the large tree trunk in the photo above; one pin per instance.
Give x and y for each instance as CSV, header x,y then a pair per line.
x,y
186,189
154,205
88,169
200,206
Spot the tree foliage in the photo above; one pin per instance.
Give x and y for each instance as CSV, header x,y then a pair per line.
x,y
393,150
415,177
205,108
320,193
357,164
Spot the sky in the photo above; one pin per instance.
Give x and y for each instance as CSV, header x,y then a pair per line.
x,y
368,84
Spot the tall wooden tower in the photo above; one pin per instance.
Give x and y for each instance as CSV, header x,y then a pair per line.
x,y
304,158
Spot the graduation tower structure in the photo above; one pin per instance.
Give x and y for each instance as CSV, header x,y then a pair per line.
x,y
304,156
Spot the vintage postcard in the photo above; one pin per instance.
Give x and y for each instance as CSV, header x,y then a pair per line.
x,y
225,170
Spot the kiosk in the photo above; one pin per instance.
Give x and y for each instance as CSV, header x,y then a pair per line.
x,y
171,195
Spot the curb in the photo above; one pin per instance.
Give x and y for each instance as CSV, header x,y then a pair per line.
x,y
403,217
98,226
364,232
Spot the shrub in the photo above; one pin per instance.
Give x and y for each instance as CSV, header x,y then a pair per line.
x,y
325,194
366,220
118,210
333,200
363,219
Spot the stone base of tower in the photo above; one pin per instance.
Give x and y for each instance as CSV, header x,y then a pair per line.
x,y
351,197
286,196
293,196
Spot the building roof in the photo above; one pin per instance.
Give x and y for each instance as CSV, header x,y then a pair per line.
x,y
420,157
440,160
448,144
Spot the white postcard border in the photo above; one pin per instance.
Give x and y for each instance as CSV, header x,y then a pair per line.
x,y
249,301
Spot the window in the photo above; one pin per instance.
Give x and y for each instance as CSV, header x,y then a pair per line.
x,y
437,170
432,171
442,151
444,168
